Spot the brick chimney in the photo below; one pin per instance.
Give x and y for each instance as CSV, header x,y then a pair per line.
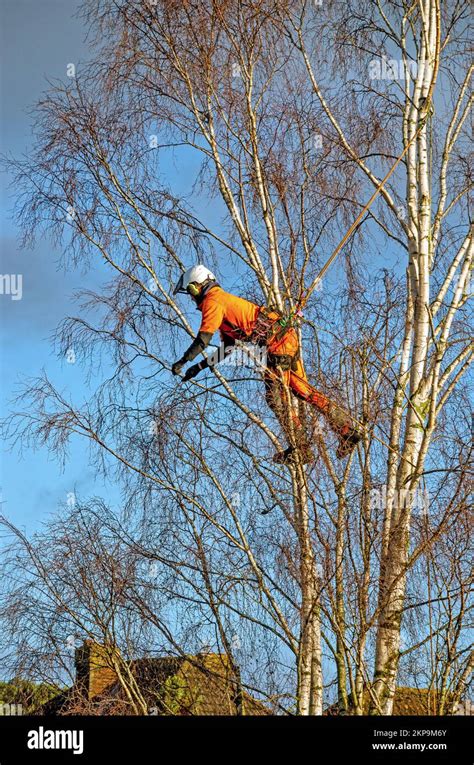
x,y
93,668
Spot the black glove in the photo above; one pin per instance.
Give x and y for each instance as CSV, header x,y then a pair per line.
x,y
177,367
191,372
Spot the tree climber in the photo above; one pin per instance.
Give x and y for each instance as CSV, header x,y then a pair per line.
x,y
240,320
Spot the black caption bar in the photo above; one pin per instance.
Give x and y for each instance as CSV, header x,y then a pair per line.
x,y
98,739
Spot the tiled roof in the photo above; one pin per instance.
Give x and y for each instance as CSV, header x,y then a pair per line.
x,y
407,701
190,685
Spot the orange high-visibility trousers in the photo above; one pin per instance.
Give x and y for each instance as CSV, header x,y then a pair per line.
x,y
295,378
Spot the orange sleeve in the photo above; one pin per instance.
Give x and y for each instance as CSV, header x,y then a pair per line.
x,y
212,316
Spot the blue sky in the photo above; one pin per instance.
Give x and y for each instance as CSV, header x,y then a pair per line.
x,y
38,40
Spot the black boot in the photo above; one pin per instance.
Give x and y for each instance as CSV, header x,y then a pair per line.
x,y
288,455
348,443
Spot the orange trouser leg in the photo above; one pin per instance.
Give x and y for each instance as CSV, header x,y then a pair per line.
x,y
277,400
301,387
298,382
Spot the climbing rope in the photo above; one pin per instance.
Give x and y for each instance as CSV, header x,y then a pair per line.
x,y
288,321
366,207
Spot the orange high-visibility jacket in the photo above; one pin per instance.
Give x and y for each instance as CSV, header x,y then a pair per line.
x,y
235,317
230,314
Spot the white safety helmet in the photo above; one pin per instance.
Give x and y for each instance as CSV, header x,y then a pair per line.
x,y
194,275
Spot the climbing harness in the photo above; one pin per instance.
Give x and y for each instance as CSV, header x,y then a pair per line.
x,y
264,330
